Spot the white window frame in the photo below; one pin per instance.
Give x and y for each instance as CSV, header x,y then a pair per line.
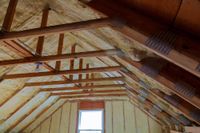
x,y
79,120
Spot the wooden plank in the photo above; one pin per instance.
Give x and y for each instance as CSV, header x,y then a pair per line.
x,y
59,50
74,81
129,118
88,92
83,87
77,71
93,96
73,50
37,130
64,125
142,123
9,15
73,55
73,119
45,126
154,126
70,27
147,31
108,117
192,129
55,122
118,118
40,42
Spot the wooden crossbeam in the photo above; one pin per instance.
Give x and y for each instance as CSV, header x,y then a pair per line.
x,y
99,53
83,87
93,96
77,71
9,15
88,92
177,47
77,26
71,67
74,81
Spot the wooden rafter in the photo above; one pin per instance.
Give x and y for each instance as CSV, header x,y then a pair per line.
x,y
7,23
167,81
148,32
71,67
77,71
74,81
82,87
77,26
34,59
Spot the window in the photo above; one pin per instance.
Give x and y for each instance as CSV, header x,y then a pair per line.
x,y
91,117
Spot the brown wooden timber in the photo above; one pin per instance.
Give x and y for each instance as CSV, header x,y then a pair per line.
x,y
77,71
40,43
93,96
73,50
70,27
137,27
34,59
83,87
9,15
74,81
88,92
59,51
80,67
87,74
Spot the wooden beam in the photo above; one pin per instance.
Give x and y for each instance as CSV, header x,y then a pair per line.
x,y
77,71
176,46
70,27
88,92
74,81
40,43
82,87
59,51
80,67
9,16
87,74
92,96
73,50
99,53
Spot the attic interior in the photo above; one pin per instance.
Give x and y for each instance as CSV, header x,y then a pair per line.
x,y
100,66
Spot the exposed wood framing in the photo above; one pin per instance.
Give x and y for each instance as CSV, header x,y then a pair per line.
x,y
73,50
77,26
83,87
96,95
77,71
40,43
170,83
88,92
80,67
74,81
145,30
59,51
73,55
87,74
7,23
